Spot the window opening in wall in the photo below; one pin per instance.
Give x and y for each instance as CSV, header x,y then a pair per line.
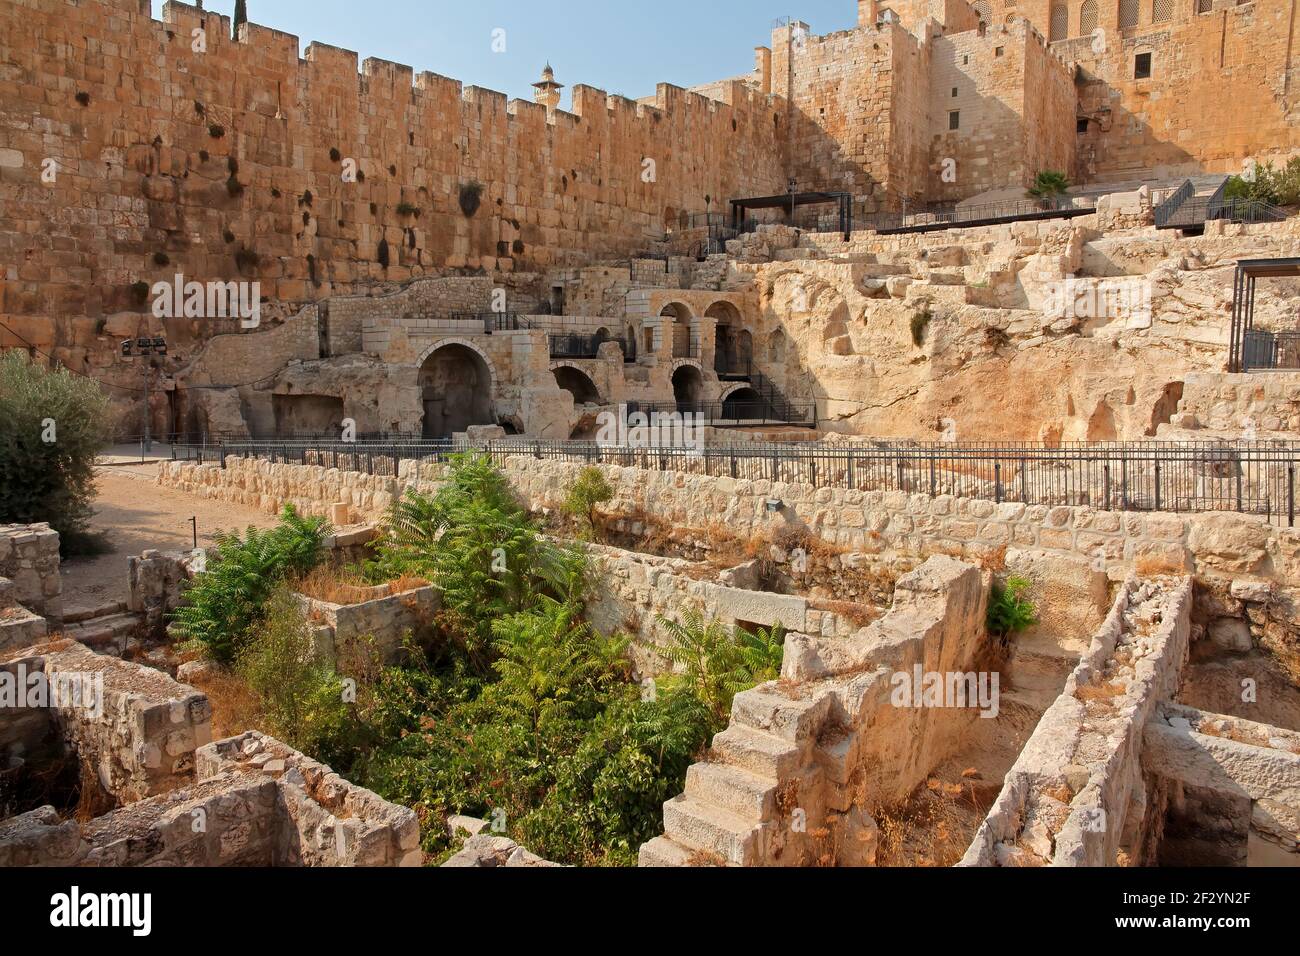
x,y
1081,126
1142,66
954,119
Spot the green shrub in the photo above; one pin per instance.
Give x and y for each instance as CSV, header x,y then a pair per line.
x,y
227,599
303,701
1280,187
1009,613
482,550
716,663
52,425
588,492
1048,184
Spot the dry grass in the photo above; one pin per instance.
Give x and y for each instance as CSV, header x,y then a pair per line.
x,y
859,615
1100,692
334,586
931,829
1154,566
235,708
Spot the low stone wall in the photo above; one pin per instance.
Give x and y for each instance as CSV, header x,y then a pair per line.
x,y
1250,568
341,629
135,727
635,590
29,557
253,802
790,781
19,627
1077,795
156,581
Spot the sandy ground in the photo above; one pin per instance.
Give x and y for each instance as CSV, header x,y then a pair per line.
x,y
137,515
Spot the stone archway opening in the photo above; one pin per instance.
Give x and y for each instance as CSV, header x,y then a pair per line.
x,y
743,403
456,389
578,384
679,333
688,388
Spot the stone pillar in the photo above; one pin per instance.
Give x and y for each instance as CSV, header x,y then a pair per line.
x,y
704,339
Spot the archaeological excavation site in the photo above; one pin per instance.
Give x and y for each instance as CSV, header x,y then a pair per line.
x,y
882,458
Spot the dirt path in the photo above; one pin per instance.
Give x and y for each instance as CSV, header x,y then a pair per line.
x,y
138,515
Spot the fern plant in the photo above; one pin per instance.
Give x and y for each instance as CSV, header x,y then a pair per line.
x,y
1009,612
227,599
716,663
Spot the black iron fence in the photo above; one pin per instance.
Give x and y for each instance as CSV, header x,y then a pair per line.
x,y
758,411
572,345
1256,478
983,213
493,321
1263,350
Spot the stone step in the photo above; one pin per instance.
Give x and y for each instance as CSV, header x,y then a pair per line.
x,y
662,851
101,631
769,711
77,615
743,793
757,752
702,826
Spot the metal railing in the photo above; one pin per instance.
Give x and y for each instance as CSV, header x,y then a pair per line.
x,y
493,321
1256,478
983,213
1166,211
1264,351
570,345
757,411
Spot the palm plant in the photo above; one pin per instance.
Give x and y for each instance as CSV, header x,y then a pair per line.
x,y
1049,184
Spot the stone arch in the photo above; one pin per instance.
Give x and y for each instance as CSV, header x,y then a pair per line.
x,y
743,402
733,388
688,385
1087,17
1059,24
577,383
777,345
1101,426
678,334
629,348
457,382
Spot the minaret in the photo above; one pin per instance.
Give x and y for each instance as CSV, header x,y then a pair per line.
x,y
547,92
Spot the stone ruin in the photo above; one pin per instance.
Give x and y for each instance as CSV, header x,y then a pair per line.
x,y
154,789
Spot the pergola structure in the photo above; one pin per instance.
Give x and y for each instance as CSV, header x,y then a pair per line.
x,y
791,201
1252,349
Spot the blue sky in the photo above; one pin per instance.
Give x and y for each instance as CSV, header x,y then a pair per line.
x,y
620,46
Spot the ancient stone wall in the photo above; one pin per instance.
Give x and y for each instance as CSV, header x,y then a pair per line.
x,y
1077,795
792,779
200,159
134,727
29,558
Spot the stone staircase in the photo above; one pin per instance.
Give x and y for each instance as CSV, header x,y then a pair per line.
x,y
107,626
729,813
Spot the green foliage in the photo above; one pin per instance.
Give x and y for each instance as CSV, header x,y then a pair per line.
x,y
302,698
1009,613
589,491
241,16
227,599
920,322
482,550
1280,187
52,425
1048,184
718,664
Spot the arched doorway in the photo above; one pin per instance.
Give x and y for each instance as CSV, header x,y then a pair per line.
x,y
578,384
743,403
630,354
688,388
679,333
456,388
733,351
